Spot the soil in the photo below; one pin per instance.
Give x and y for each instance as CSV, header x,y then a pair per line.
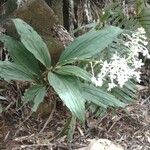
x,y
19,130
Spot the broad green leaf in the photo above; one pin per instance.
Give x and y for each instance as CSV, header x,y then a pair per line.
x,y
20,54
75,71
131,86
99,97
33,42
89,44
64,129
71,129
127,94
69,91
12,71
140,5
35,93
31,92
39,98
144,19
123,94
97,111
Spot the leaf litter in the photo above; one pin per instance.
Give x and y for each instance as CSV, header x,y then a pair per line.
x,y
19,130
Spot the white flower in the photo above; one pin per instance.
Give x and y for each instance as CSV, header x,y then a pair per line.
x,y
137,76
141,30
97,82
137,43
111,85
120,69
137,63
117,70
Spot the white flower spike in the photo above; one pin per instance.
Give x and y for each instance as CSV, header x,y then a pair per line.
x,y
120,69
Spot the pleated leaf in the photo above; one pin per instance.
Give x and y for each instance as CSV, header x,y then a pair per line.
x,y
20,54
144,19
39,98
75,71
33,42
36,94
89,44
100,98
11,71
127,94
69,91
71,129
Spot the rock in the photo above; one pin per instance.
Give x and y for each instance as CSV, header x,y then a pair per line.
x,y
7,8
57,6
43,19
102,144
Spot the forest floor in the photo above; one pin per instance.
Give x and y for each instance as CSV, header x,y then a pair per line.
x,y
130,127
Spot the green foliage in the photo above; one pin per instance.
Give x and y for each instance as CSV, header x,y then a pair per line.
x,y
71,129
127,94
100,97
36,94
140,5
12,71
68,89
74,71
20,55
117,15
89,44
144,19
71,82
33,42
143,15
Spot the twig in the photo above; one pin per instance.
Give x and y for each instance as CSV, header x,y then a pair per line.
x,y
145,100
36,145
6,137
20,139
80,130
49,118
23,122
